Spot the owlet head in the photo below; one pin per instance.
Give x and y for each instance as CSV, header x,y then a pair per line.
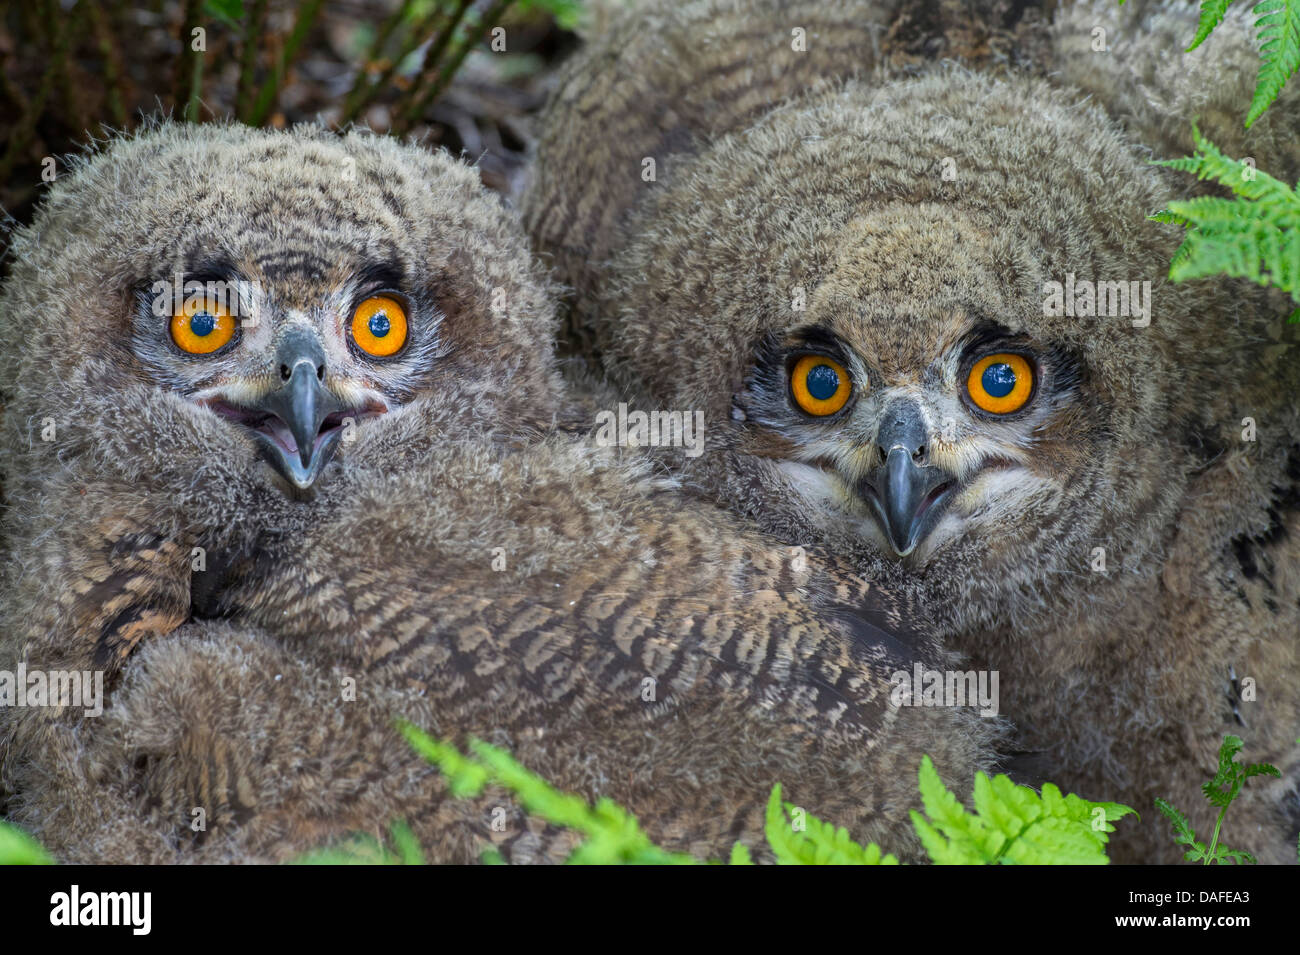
x,y
238,305
935,322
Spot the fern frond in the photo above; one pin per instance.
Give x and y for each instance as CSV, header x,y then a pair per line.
x,y
1212,13
1224,855
1278,23
1255,236
1244,179
1012,825
367,850
1184,835
820,843
18,848
465,778
1261,769
1224,787
740,855
612,834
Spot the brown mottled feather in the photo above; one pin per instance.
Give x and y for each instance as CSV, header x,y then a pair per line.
x,y
826,177
230,669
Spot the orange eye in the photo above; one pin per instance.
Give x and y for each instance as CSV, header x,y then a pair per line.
x,y
202,326
820,385
379,326
1000,383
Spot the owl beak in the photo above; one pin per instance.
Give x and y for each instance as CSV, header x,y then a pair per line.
x,y
298,425
301,427
300,448
907,496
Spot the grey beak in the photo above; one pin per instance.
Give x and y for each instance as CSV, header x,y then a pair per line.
x,y
298,408
907,494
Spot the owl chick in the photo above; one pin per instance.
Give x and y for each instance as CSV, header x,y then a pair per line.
x,y
928,322
321,486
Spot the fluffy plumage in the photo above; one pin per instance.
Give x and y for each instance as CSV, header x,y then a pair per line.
x,y
468,565
905,225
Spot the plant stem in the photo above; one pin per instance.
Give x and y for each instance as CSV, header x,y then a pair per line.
x,y
248,57
266,97
196,87
362,90
115,94
386,76
20,136
1215,841
187,72
74,26
420,102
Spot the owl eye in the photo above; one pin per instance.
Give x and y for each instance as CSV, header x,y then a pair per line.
x,y
379,326
1000,383
202,326
820,385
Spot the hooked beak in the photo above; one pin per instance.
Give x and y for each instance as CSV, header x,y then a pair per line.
x,y
299,424
907,496
299,447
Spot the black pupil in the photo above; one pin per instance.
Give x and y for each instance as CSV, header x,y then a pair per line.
x,y
823,382
202,323
999,379
379,325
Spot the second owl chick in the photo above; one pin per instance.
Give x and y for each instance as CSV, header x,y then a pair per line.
x,y
929,322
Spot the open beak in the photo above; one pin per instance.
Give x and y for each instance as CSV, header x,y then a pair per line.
x,y
299,424
907,495
295,433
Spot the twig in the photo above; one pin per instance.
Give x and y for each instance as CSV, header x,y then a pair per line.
x,y
189,69
412,41
266,97
74,118
115,92
362,90
253,28
7,88
196,87
421,102
433,55
21,136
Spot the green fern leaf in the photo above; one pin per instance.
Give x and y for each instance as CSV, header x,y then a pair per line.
x,y
1255,236
740,855
1183,832
1261,769
966,839
1012,825
612,834
465,778
1278,23
1212,13
820,843
360,849
1224,787
1224,855
407,846
18,848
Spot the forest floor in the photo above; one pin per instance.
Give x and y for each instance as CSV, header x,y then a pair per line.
x,y
71,73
